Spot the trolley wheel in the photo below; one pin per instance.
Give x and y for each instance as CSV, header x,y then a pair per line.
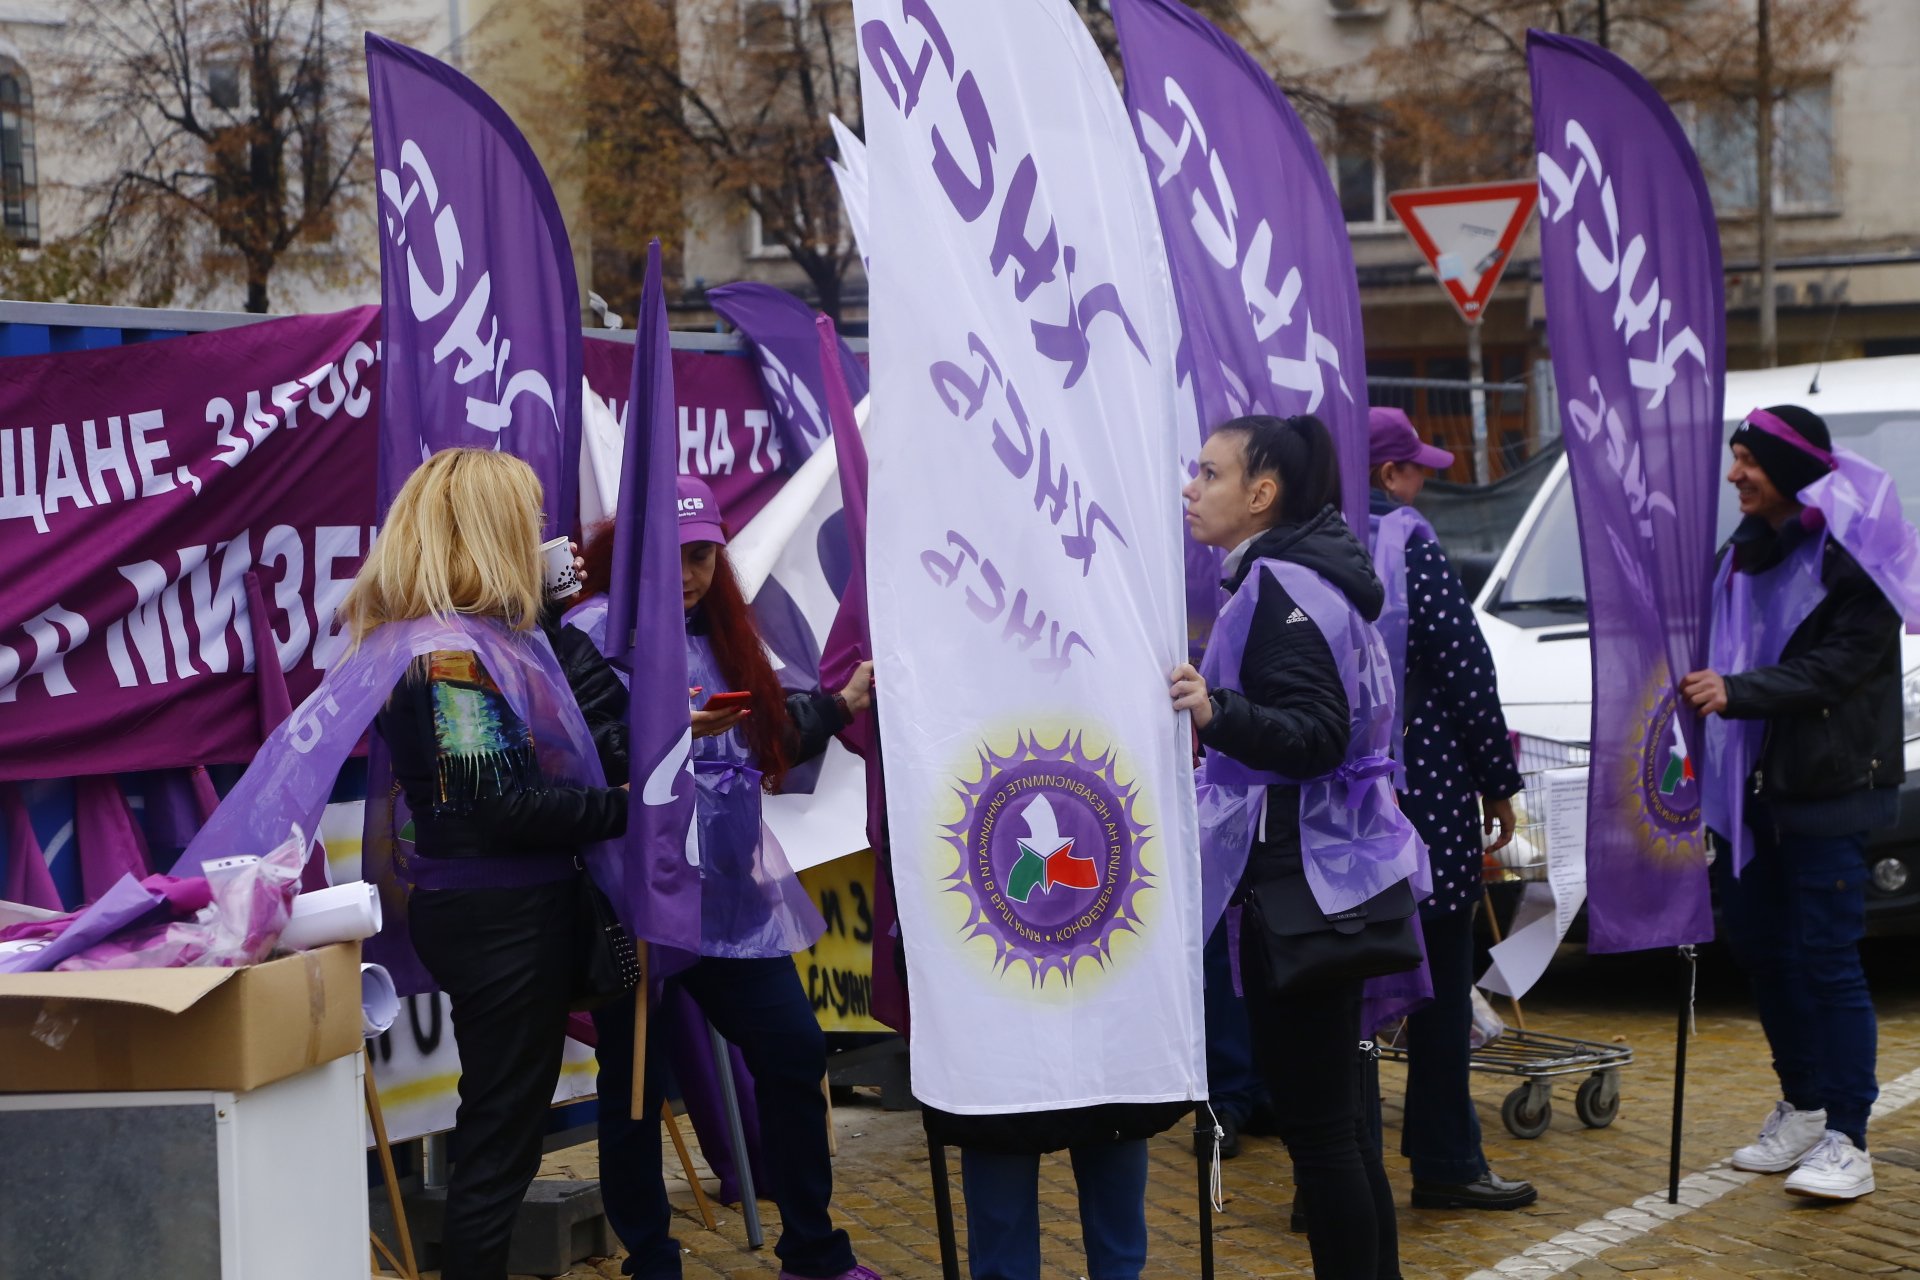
x,y
1598,1101
1528,1110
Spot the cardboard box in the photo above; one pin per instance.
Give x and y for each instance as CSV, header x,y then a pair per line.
x,y
137,1029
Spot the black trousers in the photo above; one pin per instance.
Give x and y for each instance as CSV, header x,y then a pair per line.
x,y
760,1006
505,958
1307,1045
1440,1136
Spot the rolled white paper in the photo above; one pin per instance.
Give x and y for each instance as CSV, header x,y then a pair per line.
x,y
379,1002
342,913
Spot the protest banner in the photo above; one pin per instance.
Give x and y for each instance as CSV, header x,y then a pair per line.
x,y
837,970
138,487
1630,254
144,482
1024,565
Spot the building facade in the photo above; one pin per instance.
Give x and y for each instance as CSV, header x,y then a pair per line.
x,y
1847,190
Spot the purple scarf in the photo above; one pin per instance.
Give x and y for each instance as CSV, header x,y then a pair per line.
x,y
1389,535
1355,843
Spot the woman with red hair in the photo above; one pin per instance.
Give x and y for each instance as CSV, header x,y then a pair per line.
x,y
756,1002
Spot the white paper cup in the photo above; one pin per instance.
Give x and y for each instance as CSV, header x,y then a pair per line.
x,y
557,556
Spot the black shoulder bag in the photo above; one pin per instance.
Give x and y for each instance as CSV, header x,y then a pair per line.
x,y
1305,947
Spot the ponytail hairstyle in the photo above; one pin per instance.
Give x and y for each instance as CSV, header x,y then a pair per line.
x,y
742,658
1298,451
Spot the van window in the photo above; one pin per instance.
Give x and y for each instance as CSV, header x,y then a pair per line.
x,y
1546,586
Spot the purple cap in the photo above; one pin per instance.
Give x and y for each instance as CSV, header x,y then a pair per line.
x,y
1392,438
699,512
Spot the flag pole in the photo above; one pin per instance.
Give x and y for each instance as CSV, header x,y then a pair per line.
x,y
637,1106
943,1210
1207,1154
1688,976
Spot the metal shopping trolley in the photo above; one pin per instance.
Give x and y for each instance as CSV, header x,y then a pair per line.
x,y
1534,1056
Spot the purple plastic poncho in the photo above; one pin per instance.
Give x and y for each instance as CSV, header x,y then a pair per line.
x,y
1861,506
751,903
1754,615
1387,536
1355,843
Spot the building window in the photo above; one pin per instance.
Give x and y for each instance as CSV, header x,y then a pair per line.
x,y
1723,136
19,170
761,244
224,88
1365,169
767,24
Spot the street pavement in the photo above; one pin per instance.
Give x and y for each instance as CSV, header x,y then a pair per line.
x,y
1602,1210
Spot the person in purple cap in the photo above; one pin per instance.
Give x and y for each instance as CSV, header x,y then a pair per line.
x,y
1804,757
740,751
1459,777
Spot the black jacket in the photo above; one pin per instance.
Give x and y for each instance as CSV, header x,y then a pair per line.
x,y
471,778
1832,703
602,698
1293,716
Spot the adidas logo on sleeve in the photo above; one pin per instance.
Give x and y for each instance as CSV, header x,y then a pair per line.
x,y
1297,616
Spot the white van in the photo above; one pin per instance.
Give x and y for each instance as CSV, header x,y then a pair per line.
x,y
1533,608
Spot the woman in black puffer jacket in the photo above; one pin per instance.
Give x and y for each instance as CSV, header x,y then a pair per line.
x,y
1265,490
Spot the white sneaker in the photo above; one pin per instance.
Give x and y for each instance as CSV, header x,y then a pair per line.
x,y
1785,1138
1834,1170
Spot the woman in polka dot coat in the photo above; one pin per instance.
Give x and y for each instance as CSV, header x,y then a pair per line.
x,y
1460,774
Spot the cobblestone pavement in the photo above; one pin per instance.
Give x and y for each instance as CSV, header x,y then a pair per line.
x,y
1585,1224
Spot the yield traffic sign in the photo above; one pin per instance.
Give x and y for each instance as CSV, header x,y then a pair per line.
x,y
1467,234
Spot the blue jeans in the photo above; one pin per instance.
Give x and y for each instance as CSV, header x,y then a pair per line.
x,y
1003,1211
760,1006
1233,1084
1794,919
1440,1136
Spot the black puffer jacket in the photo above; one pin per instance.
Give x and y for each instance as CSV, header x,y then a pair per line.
x,y
1293,717
1832,703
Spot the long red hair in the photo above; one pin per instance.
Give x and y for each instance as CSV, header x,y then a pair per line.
x,y
737,651
742,658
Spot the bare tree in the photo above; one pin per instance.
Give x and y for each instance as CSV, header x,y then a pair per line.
x,y
708,101
1455,104
235,131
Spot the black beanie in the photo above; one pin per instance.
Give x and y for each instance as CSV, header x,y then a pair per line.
x,y
1789,467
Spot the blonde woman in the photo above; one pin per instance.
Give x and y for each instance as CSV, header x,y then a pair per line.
x,y
492,758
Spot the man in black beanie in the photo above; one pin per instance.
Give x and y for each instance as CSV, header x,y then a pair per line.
x,y
1824,771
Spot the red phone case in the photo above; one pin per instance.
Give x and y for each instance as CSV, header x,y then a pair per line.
x,y
726,701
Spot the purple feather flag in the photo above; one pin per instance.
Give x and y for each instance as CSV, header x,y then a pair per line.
x,y
28,880
659,896
848,644
792,362
108,841
1262,265
1630,257
205,797
480,307
276,704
